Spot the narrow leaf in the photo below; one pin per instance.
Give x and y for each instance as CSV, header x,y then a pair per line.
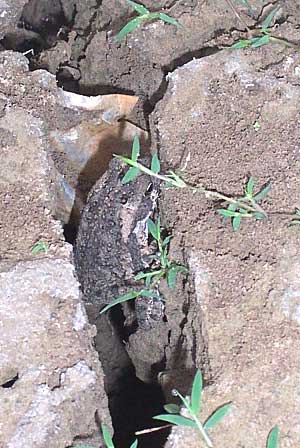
x,y
236,222
169,19
217,416
250,186
129,296
175,180
158,228
176,420
167,240
148,281
171,277
135,148
143,275
262,193
273,437
130,26
40,246
227,213
106,436
139,8
131,174
172,408
134,444
149,293
152,227
260,41
155,164
259,215
242,43
196,392
268,20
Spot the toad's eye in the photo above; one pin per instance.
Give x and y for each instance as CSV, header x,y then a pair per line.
x,y
124,199
149,189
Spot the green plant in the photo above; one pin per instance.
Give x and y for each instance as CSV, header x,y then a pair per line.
x,y
272,441
166,268
193,406
237,213
144,15
296,220
40,246
239,208
163,268
107,439
260,36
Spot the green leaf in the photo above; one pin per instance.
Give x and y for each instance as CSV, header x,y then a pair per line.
x,y
134,444
236,222
130,26
131,174
149,293
259,215
196,392
227,213
136,149
176,420
169,19
153,229
242,43
295,222
231,207
250,186
171,277
129,296
268,20
217,416
142,275
262,193
175,180
172,408
106,436
167,240
260,41
155,164
40,246
139,8
273,437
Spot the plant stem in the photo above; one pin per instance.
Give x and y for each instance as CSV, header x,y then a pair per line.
x,y
194,417
203,433
285,42
240,203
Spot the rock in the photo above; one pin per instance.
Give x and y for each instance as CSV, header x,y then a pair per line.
x,y
246,283
52,384
10,14
56,393
78,133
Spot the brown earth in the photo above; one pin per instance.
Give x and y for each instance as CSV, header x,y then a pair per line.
x,y
217,119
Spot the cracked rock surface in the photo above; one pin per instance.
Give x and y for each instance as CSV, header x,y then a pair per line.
x,y
247,282
52,392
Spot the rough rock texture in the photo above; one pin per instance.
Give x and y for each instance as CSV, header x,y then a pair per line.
x,y
52,392
246,282
75,130
10,14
